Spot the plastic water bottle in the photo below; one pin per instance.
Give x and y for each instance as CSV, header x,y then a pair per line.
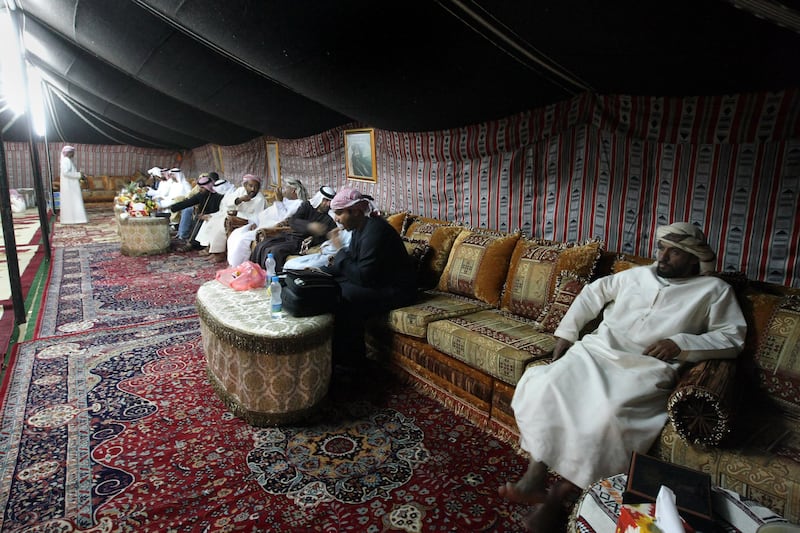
x,y
275,303
270,265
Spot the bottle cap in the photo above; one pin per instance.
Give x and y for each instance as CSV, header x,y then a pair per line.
x,y
275,278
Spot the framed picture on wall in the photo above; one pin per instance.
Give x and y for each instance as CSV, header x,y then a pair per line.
x,y
359,151
273,165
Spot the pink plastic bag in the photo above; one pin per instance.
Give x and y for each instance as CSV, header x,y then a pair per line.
x,y
248,275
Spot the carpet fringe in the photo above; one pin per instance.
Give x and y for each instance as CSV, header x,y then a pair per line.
x,y
461,408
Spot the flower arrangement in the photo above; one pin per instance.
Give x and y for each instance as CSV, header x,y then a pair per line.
x,y
137,203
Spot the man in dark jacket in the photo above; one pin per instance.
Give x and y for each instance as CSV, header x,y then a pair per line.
x,y
375,273
204,202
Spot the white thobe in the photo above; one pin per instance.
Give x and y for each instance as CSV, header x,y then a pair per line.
x,y
72,209
585,413
212,232
241,239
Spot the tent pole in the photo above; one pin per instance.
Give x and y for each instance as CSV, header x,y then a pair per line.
x,y
10,239
41,204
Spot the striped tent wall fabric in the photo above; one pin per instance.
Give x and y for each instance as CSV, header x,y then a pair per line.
x,y
610,167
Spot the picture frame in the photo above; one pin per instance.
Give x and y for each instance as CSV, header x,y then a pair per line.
x,y
273,165
359,155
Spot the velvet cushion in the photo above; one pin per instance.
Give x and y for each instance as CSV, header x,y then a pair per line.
x,y
568,286
478,265
624,262
441,239
534,271
397,221
778,355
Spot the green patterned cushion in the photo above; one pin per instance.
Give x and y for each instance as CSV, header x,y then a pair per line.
x,y
414,319
492,341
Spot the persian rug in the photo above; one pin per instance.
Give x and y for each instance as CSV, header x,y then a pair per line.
x,y
101,228
119,430
95,286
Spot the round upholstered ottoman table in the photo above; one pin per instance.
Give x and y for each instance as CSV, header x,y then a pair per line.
x,y
268,371
144,235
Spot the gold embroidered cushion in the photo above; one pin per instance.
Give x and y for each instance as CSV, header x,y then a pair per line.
x,y
478,265
397,221
568,286
441,239
492,341
431,307
534,270
624,262
778,355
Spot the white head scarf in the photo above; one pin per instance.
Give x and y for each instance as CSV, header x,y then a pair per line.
x,y
689,238
322,193
298,186
223,186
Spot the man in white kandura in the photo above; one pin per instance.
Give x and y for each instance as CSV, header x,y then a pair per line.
x,y
246,201
287,201
605,395
72,209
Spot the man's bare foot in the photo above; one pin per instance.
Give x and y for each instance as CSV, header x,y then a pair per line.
x,y
517,493
530,488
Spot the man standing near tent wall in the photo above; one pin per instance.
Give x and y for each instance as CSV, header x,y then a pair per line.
x,y
72,209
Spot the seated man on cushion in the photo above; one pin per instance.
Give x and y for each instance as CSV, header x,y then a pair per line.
x,y
244,202
310,220
375,272
205,202
287,201
605,395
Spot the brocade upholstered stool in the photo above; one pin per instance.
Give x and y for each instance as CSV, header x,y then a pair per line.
x,y
268,371
144,235
599,507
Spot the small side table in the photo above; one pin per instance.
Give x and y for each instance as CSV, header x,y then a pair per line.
x,y
144,235
598,509
268,371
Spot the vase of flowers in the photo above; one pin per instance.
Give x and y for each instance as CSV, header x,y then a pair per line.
x,y
136,201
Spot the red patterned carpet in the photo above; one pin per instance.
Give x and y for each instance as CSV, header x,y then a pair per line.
x,y
110,424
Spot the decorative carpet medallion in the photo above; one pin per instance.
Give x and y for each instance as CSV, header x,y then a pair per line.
x,y
351,462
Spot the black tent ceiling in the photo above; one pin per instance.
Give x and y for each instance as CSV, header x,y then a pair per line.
x,y
180,74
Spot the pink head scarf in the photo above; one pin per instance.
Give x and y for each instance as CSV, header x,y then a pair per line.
x,y
205,182
67,149
350,198
250,177
347,197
